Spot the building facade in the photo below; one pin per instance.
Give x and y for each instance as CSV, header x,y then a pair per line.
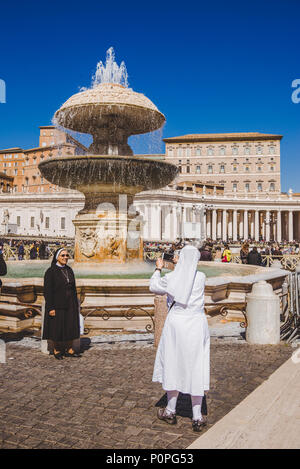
x,y
244,163
200,204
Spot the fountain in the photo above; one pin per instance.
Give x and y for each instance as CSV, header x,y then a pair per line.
x,y
106,232
107,229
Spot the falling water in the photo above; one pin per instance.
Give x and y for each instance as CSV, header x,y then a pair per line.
x,y
111,72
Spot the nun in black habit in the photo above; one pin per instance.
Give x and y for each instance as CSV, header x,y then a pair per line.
x,y
61,321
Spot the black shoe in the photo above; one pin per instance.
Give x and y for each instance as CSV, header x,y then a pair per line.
x,y
197,425
58,356
167,417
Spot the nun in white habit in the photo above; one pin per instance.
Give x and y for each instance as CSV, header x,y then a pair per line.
x,y
182,358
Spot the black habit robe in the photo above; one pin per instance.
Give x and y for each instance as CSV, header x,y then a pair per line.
x,y
60,295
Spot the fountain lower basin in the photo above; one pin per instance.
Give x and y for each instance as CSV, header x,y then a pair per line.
x,y
122,300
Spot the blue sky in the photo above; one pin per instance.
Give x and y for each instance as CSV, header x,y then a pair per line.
x,y
219,66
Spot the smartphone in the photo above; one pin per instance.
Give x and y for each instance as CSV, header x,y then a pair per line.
x,y
168,257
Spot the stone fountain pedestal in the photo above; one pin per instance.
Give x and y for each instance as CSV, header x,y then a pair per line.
x,y
113,237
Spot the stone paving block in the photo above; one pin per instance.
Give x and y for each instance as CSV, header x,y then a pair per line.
x,y
107,398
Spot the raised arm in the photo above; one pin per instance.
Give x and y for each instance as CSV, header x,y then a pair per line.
x,y
158,284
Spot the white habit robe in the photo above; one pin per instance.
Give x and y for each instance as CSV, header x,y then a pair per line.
x,y
182,358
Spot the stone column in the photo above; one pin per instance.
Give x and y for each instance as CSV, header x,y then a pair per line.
x,y
252,225
174,222
241,226
203,224
291,231
256,225
234,225
246,224
267,225
230,224
224,225
278,226
208,223
219,224
156,224
214,225
298,226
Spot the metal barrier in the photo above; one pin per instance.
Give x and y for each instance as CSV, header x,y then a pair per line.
x,y
290,329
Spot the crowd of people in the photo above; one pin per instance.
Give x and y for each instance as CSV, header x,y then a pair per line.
x,y
36,249
248,252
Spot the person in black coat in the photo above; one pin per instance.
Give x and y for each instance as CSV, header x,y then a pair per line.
x,y
254,257
3,267
61,321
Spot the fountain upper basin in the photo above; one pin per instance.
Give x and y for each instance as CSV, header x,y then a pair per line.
x,y
113,174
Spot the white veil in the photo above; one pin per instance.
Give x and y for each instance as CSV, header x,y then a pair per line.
x,y
181,280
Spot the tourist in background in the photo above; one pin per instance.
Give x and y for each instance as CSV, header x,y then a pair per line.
x,y
61,322
218,254
42,251
21,251
254,257
226,255
33,252
205,254
3,267
182,358
244,253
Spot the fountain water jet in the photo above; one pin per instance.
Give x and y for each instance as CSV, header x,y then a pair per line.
x,y
110,175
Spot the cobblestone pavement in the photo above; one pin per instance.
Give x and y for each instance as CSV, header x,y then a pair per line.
x,y
106,398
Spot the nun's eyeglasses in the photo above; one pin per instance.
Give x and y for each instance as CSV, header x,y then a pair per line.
x,y
64,255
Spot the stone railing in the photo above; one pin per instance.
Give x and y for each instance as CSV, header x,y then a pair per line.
x,y
11,253
288,261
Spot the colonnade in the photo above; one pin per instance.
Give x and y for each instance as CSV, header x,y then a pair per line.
x,y
164,221
241,224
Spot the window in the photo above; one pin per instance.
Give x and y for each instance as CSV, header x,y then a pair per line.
x,y
272,150
198,169
259,150
42,180
198,151
235,150
18,221
170,151
258,168
234,186
222,168
272,186
247,169
44,144
63,223
259,186
15,163
31,222
235,168
247,187
210,169
47,222
210,151
188,169
272,168
179,151
16,172
188,151
222,151
247,151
